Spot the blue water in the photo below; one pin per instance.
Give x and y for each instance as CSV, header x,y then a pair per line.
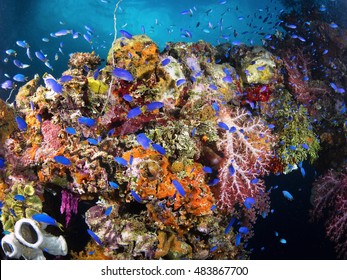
x,y
31,21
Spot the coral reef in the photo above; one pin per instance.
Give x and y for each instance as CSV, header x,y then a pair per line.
x,y
166,149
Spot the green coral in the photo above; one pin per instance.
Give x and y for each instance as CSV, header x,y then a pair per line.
x,y
14,210
176,139
294,129
97,86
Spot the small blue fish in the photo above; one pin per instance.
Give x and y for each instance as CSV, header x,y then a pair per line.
x,y
276,233
88,28
62,160
108,211
136,196
154,106
180,82
227,79
159,149
127,97
53,85
121,161
143,140
213,87
44,218
236,43
19,78
271,126
223,125
303,173
92,141
65,78
22,125
7,85
5,232
70,130
91,253
165,61
325,52
126,34
287,195
237,239
86,121
232,129
291,26
193,131
261,68
333,86
254,181
122,74
207,169
333,25
264,214
32,106
243,230
134,113
95,237
2,163
113,185
293,148
249,201
39,118
230,224
19,197
179,187
62,32
13,213
283,241
213,207
110,133
22,44
213,182
87,38
215,106
41,56
96,74
214,248
11,52
231,170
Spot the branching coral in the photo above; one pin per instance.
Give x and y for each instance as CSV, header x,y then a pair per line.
x,y
303,88
247,149
329,199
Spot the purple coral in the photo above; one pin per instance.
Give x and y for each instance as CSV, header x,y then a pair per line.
x,y
69,205
329,199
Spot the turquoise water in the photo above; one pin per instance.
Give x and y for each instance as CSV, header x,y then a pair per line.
x,y
212,21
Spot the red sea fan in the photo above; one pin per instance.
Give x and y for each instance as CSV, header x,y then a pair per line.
x,y
247,149
303,88
329,199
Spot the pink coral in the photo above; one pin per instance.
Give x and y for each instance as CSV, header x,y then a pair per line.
x,y
329,199
247,149
69,205
299,77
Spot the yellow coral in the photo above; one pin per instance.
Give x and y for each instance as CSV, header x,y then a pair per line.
x,y
97,86
7,123
92,251
170,246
